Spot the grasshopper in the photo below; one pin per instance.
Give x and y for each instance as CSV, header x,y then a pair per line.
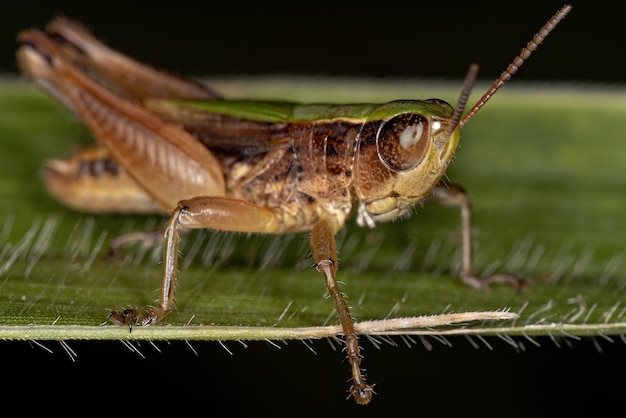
x,y
173,145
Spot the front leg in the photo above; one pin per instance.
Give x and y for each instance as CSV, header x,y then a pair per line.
x,y
455,195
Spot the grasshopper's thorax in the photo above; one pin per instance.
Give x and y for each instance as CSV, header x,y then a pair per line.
x,y
404,159
308,179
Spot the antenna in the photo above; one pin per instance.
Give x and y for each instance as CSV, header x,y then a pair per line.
x,y
468,84
513,67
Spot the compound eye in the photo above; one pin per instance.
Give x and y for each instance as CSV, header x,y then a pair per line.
x,y
402,141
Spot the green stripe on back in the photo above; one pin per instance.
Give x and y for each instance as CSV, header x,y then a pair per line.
x,y
284,112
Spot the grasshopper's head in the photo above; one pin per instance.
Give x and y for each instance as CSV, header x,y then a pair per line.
x,y
405,153
405,149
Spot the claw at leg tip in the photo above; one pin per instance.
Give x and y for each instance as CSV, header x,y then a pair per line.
x,y
362,396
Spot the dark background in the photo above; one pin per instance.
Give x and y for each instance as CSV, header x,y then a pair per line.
x,y
391,39
388,39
